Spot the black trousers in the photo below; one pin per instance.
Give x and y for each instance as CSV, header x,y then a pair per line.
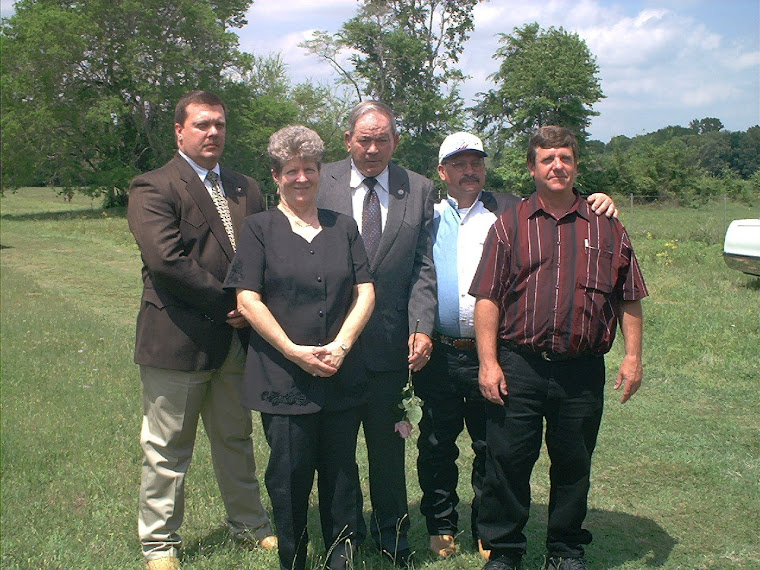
x,y
300,445
448,385
569,395
389,522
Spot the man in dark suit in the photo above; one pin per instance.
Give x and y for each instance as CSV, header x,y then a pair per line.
x,y
397,237
190,337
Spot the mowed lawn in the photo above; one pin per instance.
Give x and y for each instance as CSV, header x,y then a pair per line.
x,y
676,480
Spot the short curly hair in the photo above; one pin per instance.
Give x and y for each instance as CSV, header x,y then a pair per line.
x,y
294,141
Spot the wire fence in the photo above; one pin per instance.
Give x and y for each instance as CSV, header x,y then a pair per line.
x,y
637,209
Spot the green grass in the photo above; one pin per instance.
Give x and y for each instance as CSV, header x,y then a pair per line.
x,y
676,473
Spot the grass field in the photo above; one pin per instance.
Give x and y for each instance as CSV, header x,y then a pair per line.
x,y
676,480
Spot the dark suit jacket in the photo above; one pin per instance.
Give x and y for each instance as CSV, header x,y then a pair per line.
x,y
186,253
497,202
402,270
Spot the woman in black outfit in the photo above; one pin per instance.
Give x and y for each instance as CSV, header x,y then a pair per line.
x,y
302,281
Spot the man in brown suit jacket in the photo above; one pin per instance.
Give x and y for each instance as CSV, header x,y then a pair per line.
x,y
190,337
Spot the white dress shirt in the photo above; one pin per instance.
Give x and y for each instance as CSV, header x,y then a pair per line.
x,y
359,192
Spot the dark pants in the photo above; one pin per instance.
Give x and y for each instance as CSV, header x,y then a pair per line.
x,y
300,444
569,395
389,522
448,385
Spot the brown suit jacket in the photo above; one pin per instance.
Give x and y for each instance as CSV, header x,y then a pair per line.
x,y
186,253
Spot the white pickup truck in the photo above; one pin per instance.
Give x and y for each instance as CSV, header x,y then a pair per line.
x,y
741,249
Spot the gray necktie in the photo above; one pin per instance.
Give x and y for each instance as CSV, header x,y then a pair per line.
x,y
221,205
372,225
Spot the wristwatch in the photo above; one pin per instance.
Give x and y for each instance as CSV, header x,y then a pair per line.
x,y
344,347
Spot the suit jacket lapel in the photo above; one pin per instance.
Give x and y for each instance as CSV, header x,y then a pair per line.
x,y
398,192
236,199
200,195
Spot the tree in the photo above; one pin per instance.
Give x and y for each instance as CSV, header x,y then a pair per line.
x,y
89,87
404,53
745,156
263,100
706,125
545,78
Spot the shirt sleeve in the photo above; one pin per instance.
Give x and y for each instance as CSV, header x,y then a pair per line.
x,y
247,268
490,279
632,280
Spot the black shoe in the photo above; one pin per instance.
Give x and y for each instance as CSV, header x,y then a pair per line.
x,y
400,559
561,563
504,562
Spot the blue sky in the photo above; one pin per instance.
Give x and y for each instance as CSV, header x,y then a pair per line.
x,y
661,62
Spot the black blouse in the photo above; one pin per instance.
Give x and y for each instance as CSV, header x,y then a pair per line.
x,y
308,287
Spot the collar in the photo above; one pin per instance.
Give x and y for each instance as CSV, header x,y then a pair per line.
x,y
463,212
533,206
455,204
199,170
357,178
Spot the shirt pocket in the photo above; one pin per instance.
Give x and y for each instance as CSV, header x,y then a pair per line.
x,y
600,271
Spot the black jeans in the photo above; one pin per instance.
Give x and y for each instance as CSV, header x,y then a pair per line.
x,y
324,442
569,395
452,400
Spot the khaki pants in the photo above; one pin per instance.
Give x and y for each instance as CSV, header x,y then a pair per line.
x,y
172,402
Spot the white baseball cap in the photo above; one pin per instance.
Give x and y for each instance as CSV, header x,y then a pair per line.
x,y
459,142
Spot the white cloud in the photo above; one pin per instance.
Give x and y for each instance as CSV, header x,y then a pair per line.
x,y
296,13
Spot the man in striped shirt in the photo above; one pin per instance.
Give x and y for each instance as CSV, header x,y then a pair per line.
x,y
448,385
551,286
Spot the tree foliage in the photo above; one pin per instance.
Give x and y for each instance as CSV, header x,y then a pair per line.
x,y
689,165
546,77
89,87
261,100
404,53
706,125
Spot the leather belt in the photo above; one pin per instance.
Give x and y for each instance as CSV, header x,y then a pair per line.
x,y
544,355
458,343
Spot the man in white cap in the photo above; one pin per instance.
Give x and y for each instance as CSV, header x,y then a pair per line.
x,y
448,385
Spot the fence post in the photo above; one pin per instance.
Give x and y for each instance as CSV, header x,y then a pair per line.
x,y
631,206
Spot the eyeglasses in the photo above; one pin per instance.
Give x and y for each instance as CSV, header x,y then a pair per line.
x,y
461,165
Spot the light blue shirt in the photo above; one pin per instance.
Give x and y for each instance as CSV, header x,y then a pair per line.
x,y
458,238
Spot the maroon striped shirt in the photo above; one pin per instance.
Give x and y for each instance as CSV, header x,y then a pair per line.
x,y
558,283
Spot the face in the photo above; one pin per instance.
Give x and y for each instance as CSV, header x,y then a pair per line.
x,y
464,175
372,144
554,170
298,182
202,135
